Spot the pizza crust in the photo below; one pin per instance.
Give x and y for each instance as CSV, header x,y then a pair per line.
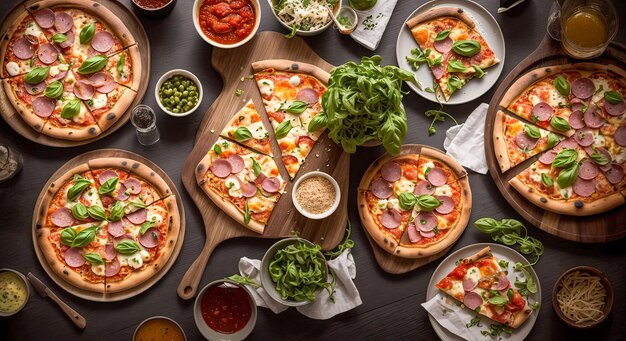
x,y
597,206
136,66
16,18
73,134
152,177
521,316
118,110
439,12
438,155
499,143
34,121
292,66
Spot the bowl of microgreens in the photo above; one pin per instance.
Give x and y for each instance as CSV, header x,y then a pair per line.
x,y
294,271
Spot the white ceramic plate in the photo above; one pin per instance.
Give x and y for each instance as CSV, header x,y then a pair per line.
x,y
500,252
488,28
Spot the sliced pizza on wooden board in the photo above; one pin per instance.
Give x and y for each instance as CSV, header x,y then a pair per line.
x,y
247,128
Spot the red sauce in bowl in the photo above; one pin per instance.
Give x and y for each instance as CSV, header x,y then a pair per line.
x,y
152,4
226,22
226,309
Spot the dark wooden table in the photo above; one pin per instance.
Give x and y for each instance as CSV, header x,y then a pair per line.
x,y
391,304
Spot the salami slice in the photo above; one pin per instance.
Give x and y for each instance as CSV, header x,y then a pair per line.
x,y
150,239
138,217
381,188
106,175
116,229
548,157
69,41
259,179
236,163
576,119
437,71
436,176
592,119
271,184
102,41
472,300
469,284
391,171
620,136
614,109
447,205
109,252
74,257
588,170
84,90
35,89
584,188
430,234
414,235
569,143
248,189
62,217
426,221
133,186
112,268
615,174
583,88
525,142
44,18
63,22
60,76
43,106
391,218
47,53
543,111
444,46
122,194
308,95
103,82
221,168
502,282
423,187
584,137
591,150
23,49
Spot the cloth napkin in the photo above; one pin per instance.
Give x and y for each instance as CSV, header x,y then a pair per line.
x,y
346,294
466,142
454,318
368,35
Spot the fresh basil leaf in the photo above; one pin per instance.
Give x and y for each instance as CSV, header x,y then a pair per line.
x,y
79,186
567,176
120,64
79,211
562,85
392,133
613,97
145,227
256,168
246,214
117,211
565,158
108,186
54,90
442,35
560,124
93,64
138,204
498,301
71,108
480,73
68,235
37,75
487,225
546,180
407,200
87,33
510,293
318,122
454,83
417,58
242,134
283,129
96,212
599,158
553,140
466,48
217,149
532,131
427,202
93,258
59,38
127,247
455,65
85,237
297,107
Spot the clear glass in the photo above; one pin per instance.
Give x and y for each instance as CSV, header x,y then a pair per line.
x,y
554,21
143,119
11,162
602,10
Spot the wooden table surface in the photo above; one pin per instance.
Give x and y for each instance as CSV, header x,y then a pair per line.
x,y
391,304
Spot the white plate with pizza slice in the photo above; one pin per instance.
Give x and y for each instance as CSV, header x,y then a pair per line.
x,y
500,252
485,25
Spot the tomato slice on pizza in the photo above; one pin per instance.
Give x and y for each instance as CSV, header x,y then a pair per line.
x,y
247,128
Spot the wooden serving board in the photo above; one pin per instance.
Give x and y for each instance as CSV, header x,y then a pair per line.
x,y
398,265
7,111
597,228
122,295
234,66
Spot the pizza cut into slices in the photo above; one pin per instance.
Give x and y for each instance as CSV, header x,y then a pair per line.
x,y
480,284
244,183
454,49
247,128
20,46
516,141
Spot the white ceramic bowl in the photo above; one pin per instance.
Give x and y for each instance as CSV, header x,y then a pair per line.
x,y
257,21
23,279
331,210
308,33
266,279
211,334
159,318
175,72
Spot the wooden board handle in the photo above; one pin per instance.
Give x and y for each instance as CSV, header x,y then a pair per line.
x,y
189,284
77,318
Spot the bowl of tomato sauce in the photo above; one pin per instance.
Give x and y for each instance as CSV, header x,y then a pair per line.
x,y
154,8
225,310
226,23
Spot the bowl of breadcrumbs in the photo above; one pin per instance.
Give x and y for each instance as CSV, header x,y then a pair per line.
x,y
316,195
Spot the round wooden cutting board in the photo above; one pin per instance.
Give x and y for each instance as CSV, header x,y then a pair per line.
x,y
597,228
7,111
122,295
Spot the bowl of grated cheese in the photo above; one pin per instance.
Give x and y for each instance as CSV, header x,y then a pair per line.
x,y
304,18
316,195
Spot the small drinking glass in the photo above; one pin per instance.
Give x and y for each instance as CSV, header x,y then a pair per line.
x,y
144,120
587,27
10,162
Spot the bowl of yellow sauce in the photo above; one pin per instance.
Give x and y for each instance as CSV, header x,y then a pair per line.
x,y
159,328
14,292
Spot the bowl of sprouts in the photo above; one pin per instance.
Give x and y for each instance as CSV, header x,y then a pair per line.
x,y
305,17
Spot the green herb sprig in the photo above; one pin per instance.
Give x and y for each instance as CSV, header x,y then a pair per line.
x,y
511,232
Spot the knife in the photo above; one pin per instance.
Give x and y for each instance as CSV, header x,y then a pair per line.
x,y
44,291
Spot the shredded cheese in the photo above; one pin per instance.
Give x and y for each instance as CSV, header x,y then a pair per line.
x,y
305,15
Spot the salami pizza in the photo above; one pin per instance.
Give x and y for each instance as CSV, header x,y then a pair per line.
x,y
69,68
415,204
108,225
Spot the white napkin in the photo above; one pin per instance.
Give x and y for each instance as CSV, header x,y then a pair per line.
x,y
379,15
346,294
454,318
466,142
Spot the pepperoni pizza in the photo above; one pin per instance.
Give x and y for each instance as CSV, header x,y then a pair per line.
x,y
414,204
582,174
108,225
68,67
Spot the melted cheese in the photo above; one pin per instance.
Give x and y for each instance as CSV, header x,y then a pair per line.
x,y
260,204
457,289
33,29
566,192
294,81
234,188
13,69
98,269
598,140
443,190
474,274
425,166
98,101
600,82
620,157
266,87
258,130
403,185
135,260
155,217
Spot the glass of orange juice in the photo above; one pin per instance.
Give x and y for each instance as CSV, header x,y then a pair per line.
x,y
587,27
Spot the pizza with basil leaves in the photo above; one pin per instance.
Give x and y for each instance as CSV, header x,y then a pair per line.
x,y
247,128
108,225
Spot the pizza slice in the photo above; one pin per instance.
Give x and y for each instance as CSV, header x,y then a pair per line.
x,y
247,128
70,119
606,147
566,180
20,46
480,284
516,141
110,183
454,50
244,183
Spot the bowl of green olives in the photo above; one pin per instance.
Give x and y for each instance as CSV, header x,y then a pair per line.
x,y
178,92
